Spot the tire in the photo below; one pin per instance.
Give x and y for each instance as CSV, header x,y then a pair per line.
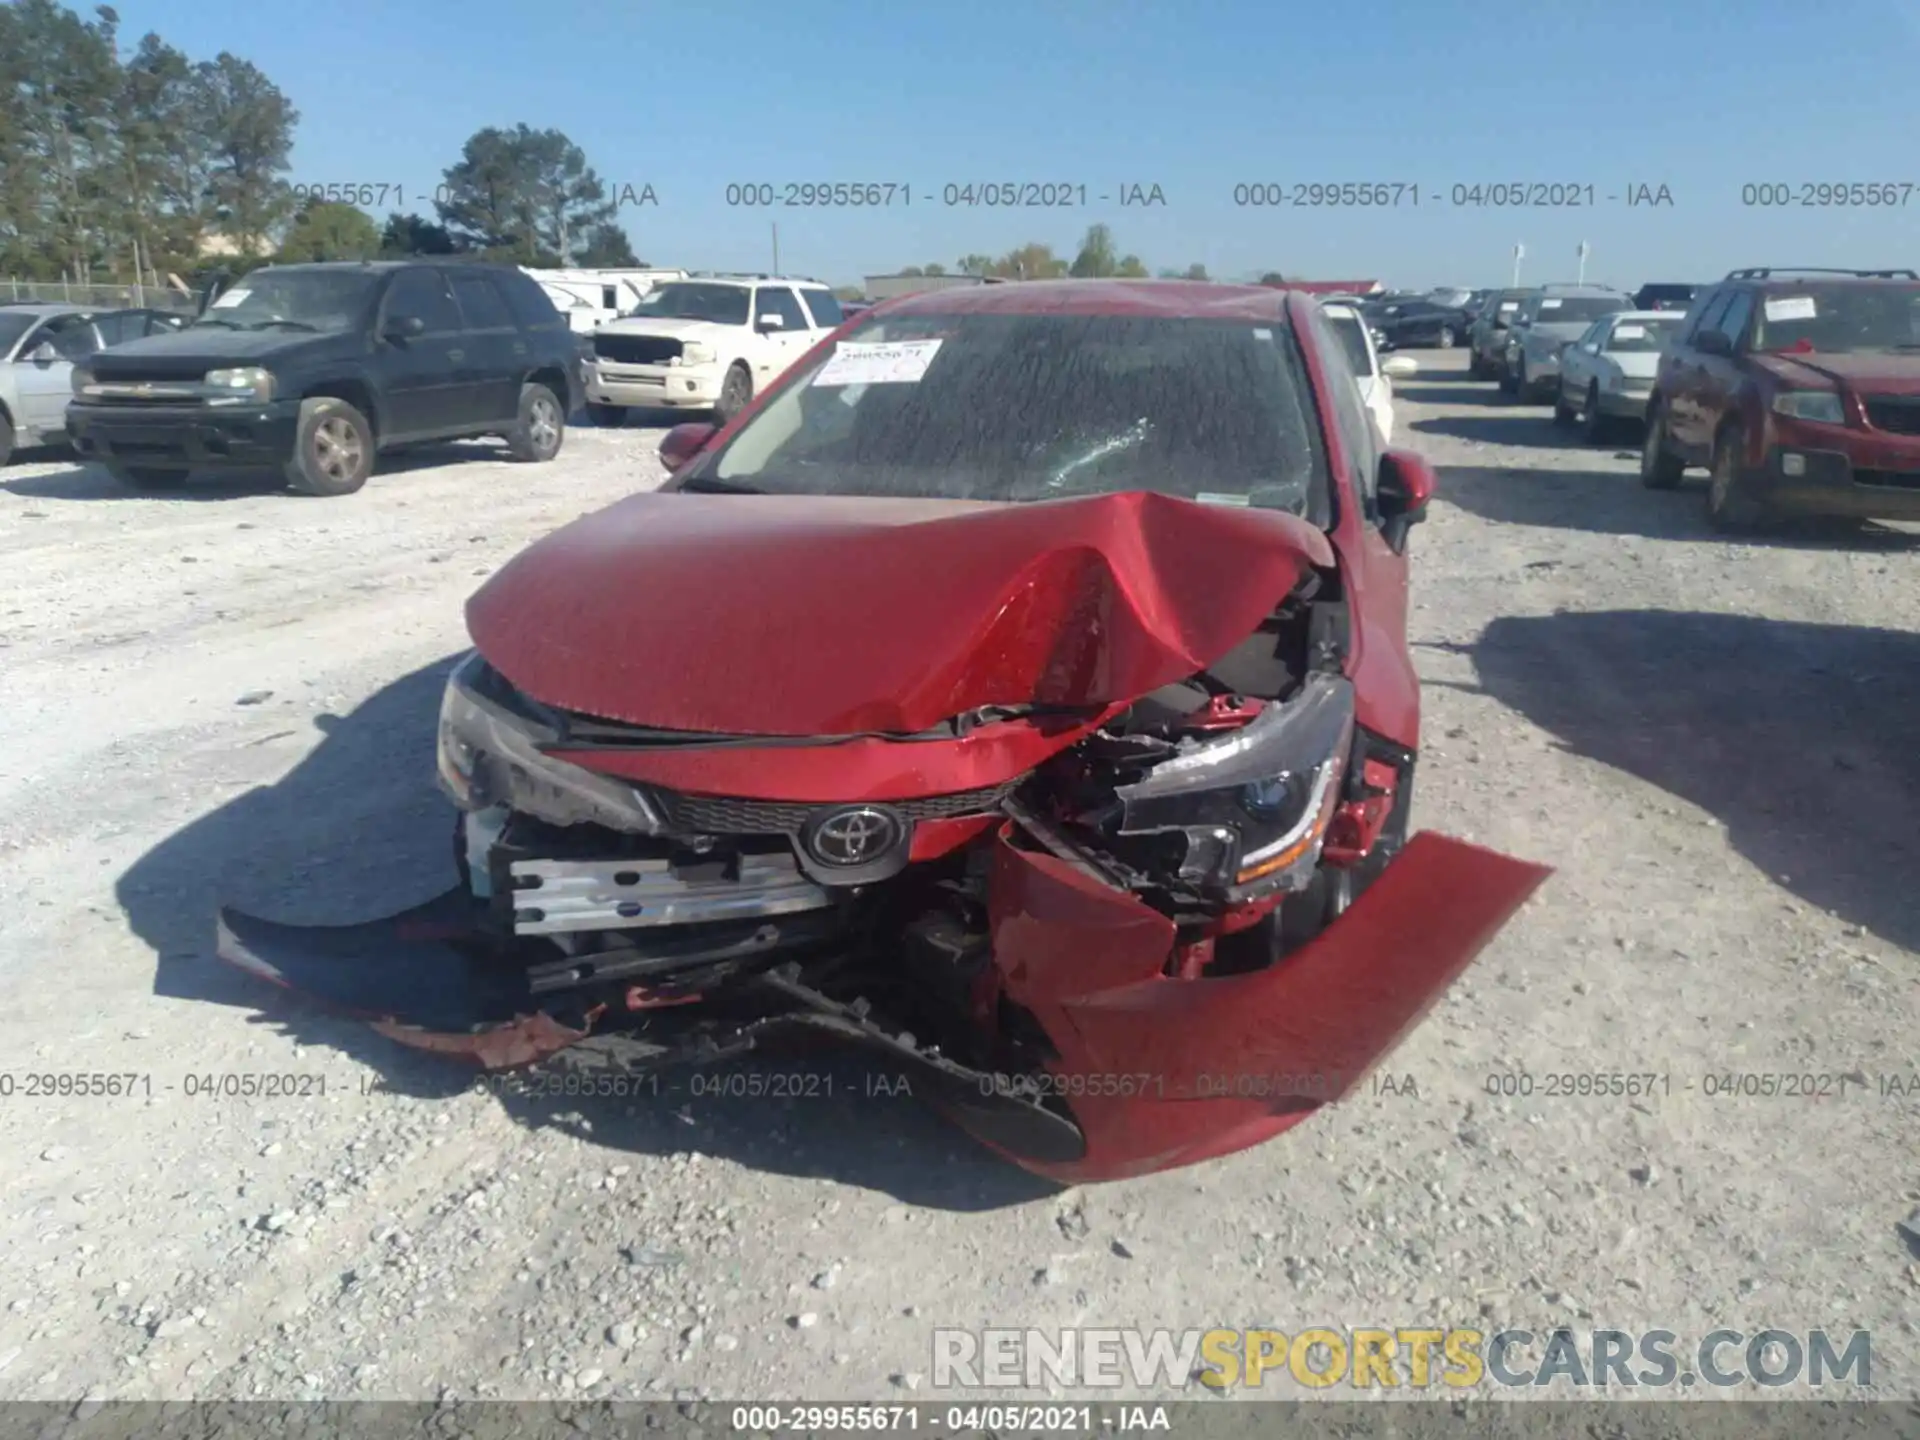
x,y
1563,413
1593,424
148,478
1476,367
332,448
736,393
541,430
1522,385
1731,508
1508,386
6,436
1658,469
606,414
1444,340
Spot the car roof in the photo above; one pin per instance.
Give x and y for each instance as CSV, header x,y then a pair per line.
x,y
1168,299
41,309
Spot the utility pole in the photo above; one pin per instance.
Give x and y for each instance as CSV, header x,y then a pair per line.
x,y
776,247
1519,254
1583,262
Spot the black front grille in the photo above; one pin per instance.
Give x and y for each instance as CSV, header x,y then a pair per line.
x,y
1899,414
636,349
735,815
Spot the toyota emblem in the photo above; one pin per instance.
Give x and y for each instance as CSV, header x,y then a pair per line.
x,y
857,836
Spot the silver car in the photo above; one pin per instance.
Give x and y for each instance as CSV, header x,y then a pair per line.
x,y
1607,374
1543,325
38,347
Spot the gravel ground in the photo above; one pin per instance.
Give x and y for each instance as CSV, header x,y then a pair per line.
x,y
231,693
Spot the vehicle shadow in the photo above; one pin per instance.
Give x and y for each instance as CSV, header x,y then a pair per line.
x,y
1520,425
1421,393
358,829
1797,737
1614,502
83,481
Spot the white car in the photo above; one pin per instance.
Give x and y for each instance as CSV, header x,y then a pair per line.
x,y
1374,376
709,342
1607,374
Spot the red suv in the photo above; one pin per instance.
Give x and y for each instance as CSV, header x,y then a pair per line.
x,y
1800,391
1018,688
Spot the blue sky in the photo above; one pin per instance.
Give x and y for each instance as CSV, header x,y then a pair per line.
x,y
1195,97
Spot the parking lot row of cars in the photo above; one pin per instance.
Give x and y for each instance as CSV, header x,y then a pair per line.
x,y
1798,390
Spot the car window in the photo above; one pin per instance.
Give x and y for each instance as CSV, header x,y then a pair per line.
x,y
1352,335
717,304
1643,335
423,293
532,307
778,300
825,307
1213,410
1360,438
1709,313
480,302
73,336
1839,318
1733,320
119,326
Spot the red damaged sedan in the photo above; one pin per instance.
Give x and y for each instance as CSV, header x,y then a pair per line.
x,y
1020,688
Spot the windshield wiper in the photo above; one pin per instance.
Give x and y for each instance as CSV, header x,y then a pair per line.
x,y
706,485
290,324
223,324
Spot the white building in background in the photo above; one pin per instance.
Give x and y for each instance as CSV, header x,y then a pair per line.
x,y
590,298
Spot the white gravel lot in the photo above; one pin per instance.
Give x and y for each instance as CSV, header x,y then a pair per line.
x,y
230,695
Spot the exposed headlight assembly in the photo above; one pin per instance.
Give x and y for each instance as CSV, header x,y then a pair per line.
x,y
1251,811
248,386
489,756
1820,405
694,353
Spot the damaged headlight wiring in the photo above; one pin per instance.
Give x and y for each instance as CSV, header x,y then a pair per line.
x,y
489,756
1249,814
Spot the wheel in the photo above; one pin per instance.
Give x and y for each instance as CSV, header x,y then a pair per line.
x,y
537,435
1593,424
736,392
1731,507
1562,412
6,436
1658,469
148,477
1522,385
1444,340
1508,386
606,414
332,448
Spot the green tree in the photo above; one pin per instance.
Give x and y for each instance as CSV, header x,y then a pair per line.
x,y
248,124
1032,261
976,265
936,268
1130,267
1197,271
1273,277
414,235
1097,257
164,155
525,194
913,270
329,230
608,248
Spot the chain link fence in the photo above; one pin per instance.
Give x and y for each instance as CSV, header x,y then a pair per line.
x,y
107,297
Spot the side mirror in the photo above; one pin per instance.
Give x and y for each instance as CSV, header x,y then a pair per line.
x,y
44,353
1713,342
404,327
683,442
768,323
1406,484
1398,367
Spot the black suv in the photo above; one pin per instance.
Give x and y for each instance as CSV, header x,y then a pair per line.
x,y
315,369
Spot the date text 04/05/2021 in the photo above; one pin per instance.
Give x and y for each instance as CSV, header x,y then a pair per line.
x,y
392,195
1011,1419
972,194
1481,195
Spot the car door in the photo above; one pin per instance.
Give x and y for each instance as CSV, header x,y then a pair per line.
x,y
1718,388
1576,361
496,353
1685,373
43,369
426,389
777,345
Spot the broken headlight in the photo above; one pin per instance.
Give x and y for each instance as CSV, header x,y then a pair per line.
x,y
488,756
1248,815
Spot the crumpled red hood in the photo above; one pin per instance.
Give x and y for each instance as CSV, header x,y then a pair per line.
x,y
830,615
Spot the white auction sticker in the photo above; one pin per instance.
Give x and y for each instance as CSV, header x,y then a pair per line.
x,y
1218,497
231,298
888,362
1792,307
1549,304
1629,332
